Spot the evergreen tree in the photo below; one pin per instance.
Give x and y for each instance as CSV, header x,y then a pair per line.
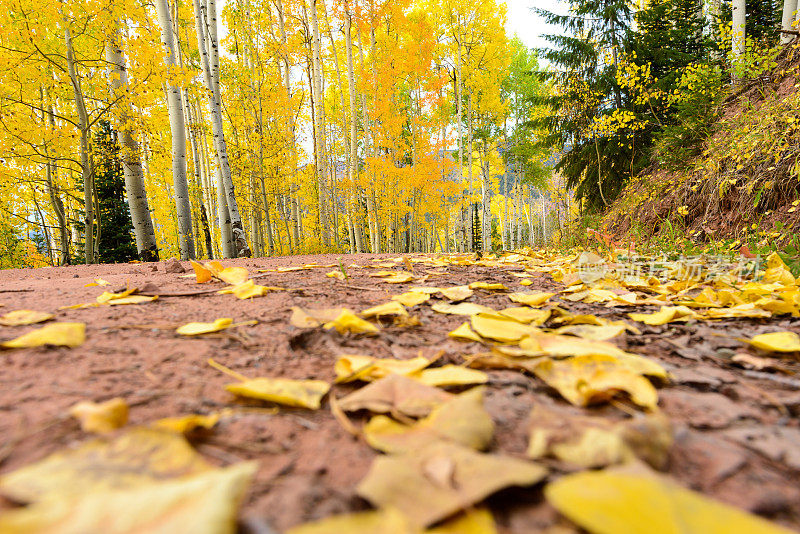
x,y
596,160
116,242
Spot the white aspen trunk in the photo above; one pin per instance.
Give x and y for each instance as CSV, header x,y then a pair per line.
x,y
459,114
209,56
177,129
787,20
131,163
470,148
372,216
738,33
51,176
319,128
86,170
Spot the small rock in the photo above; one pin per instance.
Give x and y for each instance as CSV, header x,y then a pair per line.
x,y
154,268
75,276
174,266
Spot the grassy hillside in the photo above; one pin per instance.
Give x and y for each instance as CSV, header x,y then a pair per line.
x,y
743,189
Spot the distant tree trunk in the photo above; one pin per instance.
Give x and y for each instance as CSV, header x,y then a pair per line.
x,y
131,163
86,169
738,35
319,129
51,174
789,8
178,130
209,59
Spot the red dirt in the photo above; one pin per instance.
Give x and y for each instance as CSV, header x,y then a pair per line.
x,y
737,431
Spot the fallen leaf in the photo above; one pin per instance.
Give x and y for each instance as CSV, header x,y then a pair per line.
x,y
472,521
195,329
530,299
463,308
205,503
609,502
461,419
526,282
302,318
499,328
465,332
286,391
136,458
97,282
411,298
425,290
456,293
526,315
187,423
592,332
388,308
450,375
399,277
400,482
367,368
101,417
383,521
339,275
24,317
348,322
667,314
584,380
233,275
246,290
395,393
131,299
56,334
488,286
777,342
202,273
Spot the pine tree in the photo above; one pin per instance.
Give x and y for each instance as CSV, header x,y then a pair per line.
x,y
115,243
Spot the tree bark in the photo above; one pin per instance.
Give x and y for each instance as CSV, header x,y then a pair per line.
x,y
789,8
209,59
143,230
178,130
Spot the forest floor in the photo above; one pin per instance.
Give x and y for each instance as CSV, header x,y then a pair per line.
x,y
733,431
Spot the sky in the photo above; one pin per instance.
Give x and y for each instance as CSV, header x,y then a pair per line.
x,y
527,24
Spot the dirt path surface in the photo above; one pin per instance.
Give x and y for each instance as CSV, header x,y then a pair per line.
x,y
735,427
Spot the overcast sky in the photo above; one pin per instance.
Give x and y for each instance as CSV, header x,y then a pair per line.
x,y
527,24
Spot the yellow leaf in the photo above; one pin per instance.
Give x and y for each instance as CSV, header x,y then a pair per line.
x,y
465,332
136,458
24,317
530,299
233,275
301,393
425,290
187,423
527,282
384,521
367,368
58,334
195,329
339,275
584,380
526,315
456,293
450,375
411,298
348,322
388,308
777,342
403,482
97,282
103,417
205,503
461,419
463,308
399,277
592,332
500,329
107,296
748,310
132,299
609,502
302,318
472,521
488,286
667,314
395,393
202,273
248,290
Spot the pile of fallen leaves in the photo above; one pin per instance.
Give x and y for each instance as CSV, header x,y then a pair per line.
x,y
427,417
